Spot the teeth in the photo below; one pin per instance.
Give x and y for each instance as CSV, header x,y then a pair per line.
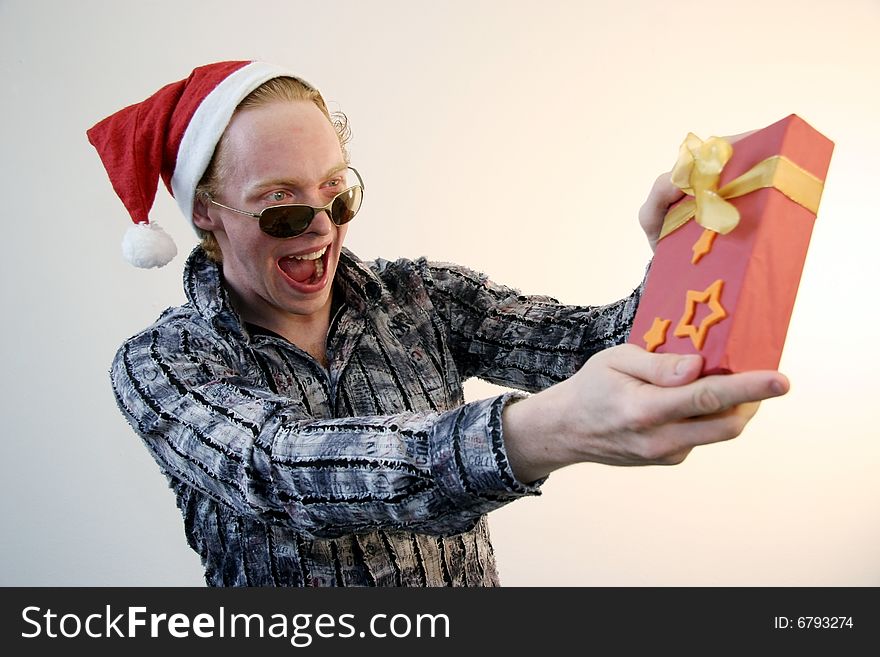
x,y
310,256
319,269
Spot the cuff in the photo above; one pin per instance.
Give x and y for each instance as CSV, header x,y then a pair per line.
x,y
470,459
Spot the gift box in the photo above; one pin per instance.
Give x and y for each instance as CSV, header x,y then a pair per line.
x,y
727,267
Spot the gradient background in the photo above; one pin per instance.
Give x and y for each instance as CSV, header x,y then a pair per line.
x,y
519,138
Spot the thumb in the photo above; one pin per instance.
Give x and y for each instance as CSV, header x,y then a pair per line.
x,y
657,369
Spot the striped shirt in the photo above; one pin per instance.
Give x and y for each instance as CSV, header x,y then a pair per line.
x,y
373,471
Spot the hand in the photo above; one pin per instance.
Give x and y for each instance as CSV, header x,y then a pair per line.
x,y
627,406
662,195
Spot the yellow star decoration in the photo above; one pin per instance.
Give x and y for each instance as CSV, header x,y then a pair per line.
x,y
711,295
656,335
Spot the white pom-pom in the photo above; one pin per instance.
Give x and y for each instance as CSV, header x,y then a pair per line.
x,y
146,245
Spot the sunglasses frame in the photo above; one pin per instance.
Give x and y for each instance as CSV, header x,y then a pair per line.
x,y
315,210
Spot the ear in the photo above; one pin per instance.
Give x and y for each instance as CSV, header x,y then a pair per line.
x,y
203,215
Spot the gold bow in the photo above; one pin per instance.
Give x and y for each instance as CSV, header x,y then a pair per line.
x,y
697,172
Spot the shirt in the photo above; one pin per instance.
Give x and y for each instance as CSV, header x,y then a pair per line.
x,y
373,471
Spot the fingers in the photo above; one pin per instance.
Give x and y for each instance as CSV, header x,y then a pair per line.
x,y
663,194
714,395
657,369
674,390
717,427
671,444
634,407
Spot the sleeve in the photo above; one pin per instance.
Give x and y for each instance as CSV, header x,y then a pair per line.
x,y
528,342
209,426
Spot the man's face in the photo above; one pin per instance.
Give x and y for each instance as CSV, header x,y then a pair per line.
x,y
283,152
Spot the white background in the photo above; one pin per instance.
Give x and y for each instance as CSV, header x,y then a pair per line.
x,y
518,138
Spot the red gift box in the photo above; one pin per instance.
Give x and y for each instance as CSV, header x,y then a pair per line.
x,y
723,285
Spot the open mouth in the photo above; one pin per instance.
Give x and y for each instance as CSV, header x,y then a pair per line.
x,y
306,271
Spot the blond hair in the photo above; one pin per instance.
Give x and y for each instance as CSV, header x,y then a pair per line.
x,y
274,90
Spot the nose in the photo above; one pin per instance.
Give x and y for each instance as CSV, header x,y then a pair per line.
x,y
321,223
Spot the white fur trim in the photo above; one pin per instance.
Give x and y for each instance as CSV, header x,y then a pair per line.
x,y
146,245
207,125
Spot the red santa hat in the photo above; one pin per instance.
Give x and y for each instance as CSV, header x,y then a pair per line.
x,y
172,135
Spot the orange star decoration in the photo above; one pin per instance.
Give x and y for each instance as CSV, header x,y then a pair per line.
x,y
711,296
703,245
656,335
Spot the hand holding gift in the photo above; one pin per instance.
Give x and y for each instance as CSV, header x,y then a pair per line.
x,y
627,406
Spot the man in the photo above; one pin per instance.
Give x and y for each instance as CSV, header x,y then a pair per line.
x,y
307,407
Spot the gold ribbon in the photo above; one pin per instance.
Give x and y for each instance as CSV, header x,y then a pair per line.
x,y
698,169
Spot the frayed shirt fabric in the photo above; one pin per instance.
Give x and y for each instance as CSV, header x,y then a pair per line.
x,y
373,471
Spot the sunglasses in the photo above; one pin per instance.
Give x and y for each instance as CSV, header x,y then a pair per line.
x,y
285,221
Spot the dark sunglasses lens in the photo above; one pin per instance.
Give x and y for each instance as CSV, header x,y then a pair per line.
x,y
286,221
346,205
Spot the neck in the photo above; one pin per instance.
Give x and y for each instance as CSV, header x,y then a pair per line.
x,y
308,332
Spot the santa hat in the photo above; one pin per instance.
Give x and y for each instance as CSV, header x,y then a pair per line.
x,y
172,135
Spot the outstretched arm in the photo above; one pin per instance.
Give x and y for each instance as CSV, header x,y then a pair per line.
x,y
627,406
